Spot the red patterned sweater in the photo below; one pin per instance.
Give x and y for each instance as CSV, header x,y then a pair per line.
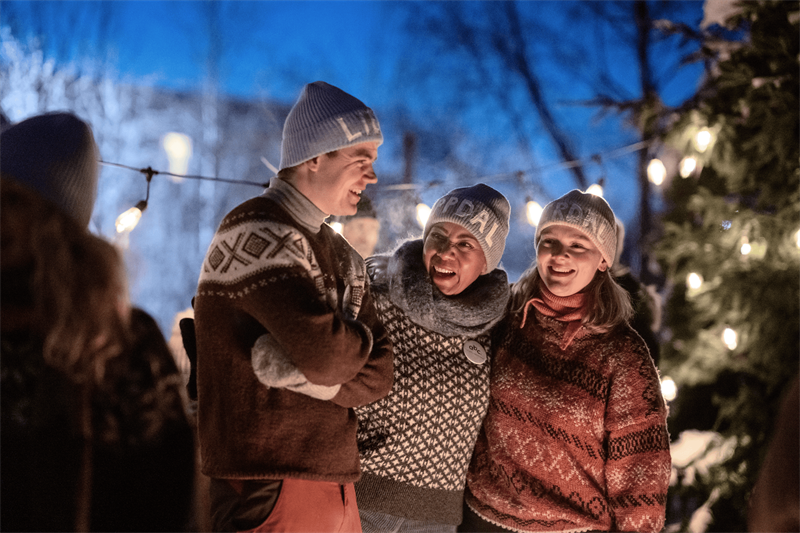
x,y
574,439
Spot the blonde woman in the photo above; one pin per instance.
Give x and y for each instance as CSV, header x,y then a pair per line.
x,y
575,438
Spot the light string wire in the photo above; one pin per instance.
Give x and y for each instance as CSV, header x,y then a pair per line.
x,y
611,154
151,172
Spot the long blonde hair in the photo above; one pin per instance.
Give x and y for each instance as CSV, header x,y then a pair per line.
x,y
608,305
77,294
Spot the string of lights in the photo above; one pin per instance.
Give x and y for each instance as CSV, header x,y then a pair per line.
x,y
611,154
128,220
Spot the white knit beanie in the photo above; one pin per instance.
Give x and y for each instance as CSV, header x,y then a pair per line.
x,y
324,119
483,211
55,155
585,212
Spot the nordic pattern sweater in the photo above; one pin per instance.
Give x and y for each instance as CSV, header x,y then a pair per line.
x,y
416,443
266,271
574,440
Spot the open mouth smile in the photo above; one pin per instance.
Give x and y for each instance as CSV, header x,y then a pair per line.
x,y
560,271
443,271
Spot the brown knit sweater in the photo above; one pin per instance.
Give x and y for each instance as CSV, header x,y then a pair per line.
x,y
574,439
264,272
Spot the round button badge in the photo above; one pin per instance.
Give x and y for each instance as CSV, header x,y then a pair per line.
x,y
475,352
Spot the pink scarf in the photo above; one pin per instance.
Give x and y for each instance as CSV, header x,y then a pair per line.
x,y
564,309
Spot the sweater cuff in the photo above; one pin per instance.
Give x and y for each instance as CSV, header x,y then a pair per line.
x,y
365,332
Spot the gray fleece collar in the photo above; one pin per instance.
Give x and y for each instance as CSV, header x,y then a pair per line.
x,y
470,313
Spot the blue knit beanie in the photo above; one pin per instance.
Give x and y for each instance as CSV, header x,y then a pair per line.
x,y
55,155
324,119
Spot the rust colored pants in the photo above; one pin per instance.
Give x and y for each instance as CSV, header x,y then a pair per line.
x,y
289,505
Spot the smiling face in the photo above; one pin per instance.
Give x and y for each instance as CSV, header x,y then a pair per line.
x,y
567,260
453,257
340,178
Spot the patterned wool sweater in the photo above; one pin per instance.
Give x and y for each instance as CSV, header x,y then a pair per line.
x,y
574,440
274,268
416,443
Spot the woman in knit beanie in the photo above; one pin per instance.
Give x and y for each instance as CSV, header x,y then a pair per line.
x,y
94,433
575,438
55,155
438,297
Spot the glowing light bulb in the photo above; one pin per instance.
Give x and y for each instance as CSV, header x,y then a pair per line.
x,y
668,388
423,212
729,337
337,227
746,248
694,281
797,238
688,165
179,149
656,171
703,139
534,212
595,189
128,220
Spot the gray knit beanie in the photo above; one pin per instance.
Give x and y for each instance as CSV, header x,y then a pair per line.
x,y
324,119
585,212
55,155
483,211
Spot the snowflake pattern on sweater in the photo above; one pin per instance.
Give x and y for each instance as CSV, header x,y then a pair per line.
x,y
574,440
242,250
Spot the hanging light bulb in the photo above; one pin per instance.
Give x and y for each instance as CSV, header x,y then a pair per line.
x,y
729,338
688,165
595,189
423,212
128,220
668,388
656,171
534,212
797,238
694,281
703,139
338,227
179,149
746,248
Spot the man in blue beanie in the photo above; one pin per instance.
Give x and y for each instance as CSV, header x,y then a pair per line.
x,y
288,339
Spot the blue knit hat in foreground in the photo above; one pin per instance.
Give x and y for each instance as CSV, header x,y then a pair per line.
x,y
483,211
324,119
55,155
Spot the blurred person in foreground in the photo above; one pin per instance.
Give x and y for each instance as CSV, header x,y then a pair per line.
x,y
575,438
775,501
94,433
439,298
362,229
288,339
